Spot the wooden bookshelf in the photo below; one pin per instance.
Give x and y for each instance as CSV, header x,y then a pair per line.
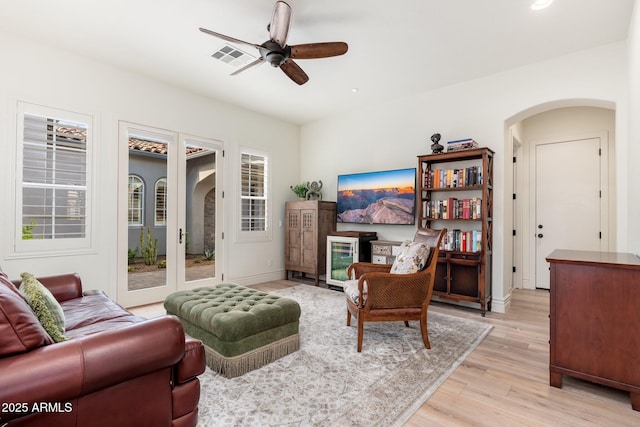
x,y
447,183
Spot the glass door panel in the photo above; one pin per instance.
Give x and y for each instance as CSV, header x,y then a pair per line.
x,y
341,252
147,223
147,214
200,214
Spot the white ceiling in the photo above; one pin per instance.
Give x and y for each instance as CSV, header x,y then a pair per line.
x,y
396,48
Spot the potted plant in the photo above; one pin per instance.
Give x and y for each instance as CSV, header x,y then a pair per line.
x,y
300,190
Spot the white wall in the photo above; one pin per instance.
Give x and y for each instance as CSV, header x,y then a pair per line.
x,y
391,135
54,78
633,158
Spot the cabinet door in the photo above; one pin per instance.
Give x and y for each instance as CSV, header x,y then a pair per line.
x,y
441,283
464,279
309,238
293,236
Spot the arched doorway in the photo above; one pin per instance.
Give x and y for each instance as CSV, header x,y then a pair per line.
x,y
542,131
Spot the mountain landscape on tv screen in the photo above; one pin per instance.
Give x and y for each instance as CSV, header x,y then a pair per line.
x,y
377,206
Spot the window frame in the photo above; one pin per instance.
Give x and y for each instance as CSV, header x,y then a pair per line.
x,y
141,199
254,235
162,223
63,246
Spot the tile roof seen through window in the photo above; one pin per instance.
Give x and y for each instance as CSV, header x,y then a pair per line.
x,y
134,143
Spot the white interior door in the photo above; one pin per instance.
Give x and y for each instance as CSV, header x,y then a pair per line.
x,y
569,201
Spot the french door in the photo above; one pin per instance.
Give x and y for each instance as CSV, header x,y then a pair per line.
x,y
170,213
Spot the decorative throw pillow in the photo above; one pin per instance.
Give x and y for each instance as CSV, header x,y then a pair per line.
x,y
351,290
411,258
44,305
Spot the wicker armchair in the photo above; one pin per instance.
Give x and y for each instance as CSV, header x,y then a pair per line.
x,y
395,297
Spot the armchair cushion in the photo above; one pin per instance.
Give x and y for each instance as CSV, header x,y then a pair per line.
x,y
44,305
351,290
412,258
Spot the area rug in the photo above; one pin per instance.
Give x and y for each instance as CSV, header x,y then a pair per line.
x,y
328,383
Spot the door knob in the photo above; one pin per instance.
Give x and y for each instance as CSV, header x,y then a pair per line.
x,y
539,225
539,234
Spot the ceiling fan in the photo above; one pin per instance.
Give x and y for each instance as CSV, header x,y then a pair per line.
x,y
276,52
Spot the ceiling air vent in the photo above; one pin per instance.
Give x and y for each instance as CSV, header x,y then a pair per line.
x,y
233,56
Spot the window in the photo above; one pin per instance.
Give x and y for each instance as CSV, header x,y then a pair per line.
x,y
254,193
52,185
136,201
161,202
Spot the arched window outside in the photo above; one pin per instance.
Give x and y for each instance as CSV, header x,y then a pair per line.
x,y
161,202
136,201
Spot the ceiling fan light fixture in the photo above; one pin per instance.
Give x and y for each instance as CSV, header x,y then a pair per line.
x,y
541,4
276,52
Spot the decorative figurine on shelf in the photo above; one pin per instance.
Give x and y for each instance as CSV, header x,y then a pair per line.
x,y
313,190
436,148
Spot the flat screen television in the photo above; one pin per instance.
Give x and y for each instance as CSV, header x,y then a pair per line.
x,y
383,197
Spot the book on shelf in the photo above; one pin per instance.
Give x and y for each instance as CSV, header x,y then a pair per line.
x,y
462,241
452,208
461,144
452,178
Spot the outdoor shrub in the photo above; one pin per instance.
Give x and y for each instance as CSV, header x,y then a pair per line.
x,y
148,248
27,230
131,254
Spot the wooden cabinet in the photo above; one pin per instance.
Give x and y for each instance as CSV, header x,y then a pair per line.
x,y
455,191
595,319
307,224
384,251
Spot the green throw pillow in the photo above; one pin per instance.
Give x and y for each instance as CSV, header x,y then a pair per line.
x,y
44,305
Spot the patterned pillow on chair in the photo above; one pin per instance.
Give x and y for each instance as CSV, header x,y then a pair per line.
x,y
351,290
411,259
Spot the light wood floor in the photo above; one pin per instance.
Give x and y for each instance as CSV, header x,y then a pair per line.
x,y
505,380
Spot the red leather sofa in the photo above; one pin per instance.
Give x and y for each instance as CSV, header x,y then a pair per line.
x,y
116,369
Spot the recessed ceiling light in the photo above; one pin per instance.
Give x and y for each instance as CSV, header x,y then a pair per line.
x,y
354,90
541,4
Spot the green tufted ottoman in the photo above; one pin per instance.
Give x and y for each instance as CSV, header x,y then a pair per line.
x,y
242,329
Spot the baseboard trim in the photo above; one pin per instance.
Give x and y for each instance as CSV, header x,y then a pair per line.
x,y
256,278
501,305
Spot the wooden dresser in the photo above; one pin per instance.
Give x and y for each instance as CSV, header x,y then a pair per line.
x,y
595,319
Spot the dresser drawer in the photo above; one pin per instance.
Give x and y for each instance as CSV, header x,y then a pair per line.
x,y
381,249
378,259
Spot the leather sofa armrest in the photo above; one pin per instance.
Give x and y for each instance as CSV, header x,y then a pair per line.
x,y
192,364
63,286
65,371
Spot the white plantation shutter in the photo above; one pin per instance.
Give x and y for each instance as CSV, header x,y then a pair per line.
x,y
253,197
54,178
54,200
161,202
135,212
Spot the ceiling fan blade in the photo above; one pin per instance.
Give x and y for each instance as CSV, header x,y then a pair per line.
x,y
318,50
280,22
258,61
294,72
227,38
